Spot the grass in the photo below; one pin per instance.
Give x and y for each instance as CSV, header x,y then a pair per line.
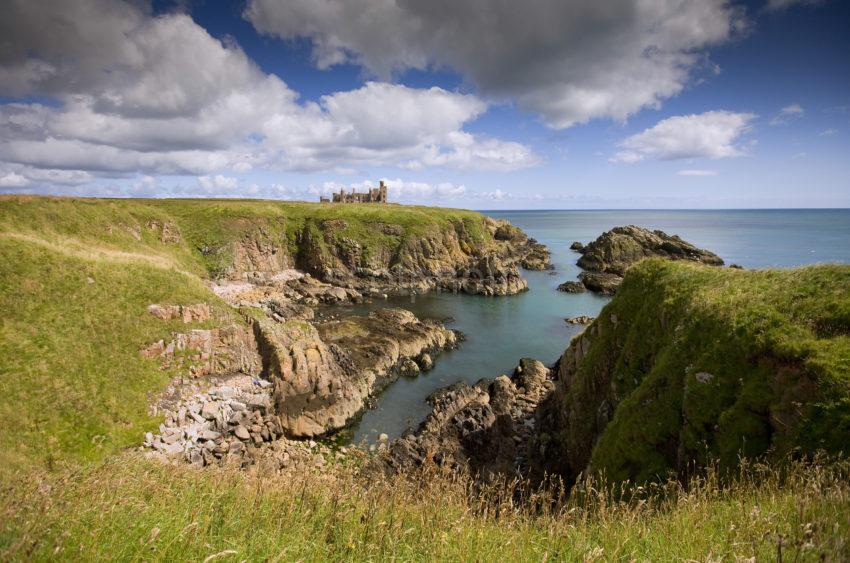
x,y
72,384
774,344
131,509
76,277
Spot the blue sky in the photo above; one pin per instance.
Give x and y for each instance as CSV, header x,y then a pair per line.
x,y
480,104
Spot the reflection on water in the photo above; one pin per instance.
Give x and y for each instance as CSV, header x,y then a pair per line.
x,y
501,330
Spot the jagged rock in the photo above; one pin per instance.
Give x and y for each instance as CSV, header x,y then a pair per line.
x,y
425,362
482,428
572,287
210,410
579,320
221,350
537,258
323,374
577,246
607,258
601,282
242,433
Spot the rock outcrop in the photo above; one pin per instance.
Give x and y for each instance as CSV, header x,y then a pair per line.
x,y
690,365
606,259
323,374
223,350
387,261
482,429
579,320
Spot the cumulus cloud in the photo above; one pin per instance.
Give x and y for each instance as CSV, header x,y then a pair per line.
x,y
788,114
697,173
137,94
568,60
218,182
713,134
12,180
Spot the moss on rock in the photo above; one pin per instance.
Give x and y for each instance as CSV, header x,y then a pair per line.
x,y
689,364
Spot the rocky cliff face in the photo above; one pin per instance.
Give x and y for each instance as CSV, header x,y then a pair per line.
x,y
323,373
606,259
690,364
388,259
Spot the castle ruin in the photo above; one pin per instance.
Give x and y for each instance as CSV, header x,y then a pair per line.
x,y
372,195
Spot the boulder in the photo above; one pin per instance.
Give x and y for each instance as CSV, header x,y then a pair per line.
x,y
425,362
408,368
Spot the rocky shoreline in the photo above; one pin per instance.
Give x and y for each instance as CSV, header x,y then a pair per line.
x,y
261,390
482,430
447,260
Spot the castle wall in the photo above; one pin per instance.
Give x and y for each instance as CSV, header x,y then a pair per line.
x,y
373,195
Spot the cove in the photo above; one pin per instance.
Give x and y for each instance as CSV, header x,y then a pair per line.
x,y
501,330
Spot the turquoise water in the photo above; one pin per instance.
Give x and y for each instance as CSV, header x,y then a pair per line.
x,y
501,330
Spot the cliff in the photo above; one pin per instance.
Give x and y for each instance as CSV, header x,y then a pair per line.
x,y
689,364
108,301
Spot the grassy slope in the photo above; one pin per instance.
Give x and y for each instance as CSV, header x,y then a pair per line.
x,y
74,284
71,382
770,339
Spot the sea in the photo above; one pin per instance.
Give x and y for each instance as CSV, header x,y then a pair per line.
x,y
501,330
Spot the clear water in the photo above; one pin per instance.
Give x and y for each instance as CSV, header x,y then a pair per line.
x,y
501,330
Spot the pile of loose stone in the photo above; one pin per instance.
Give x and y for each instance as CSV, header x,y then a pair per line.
x,y
227,420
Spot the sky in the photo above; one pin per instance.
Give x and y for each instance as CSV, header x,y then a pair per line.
x,y
482,104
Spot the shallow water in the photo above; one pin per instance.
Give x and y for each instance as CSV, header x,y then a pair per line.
x,y
501,330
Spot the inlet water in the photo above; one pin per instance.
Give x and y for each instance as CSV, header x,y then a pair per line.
x,y
501,330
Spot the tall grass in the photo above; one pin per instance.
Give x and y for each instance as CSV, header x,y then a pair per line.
x,y
132,509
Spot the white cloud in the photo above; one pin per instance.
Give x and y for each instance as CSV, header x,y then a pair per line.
x,y
568,60
775,5
828,132
159,96
12,180
217,182
788,113
712,134
697,173
495,195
